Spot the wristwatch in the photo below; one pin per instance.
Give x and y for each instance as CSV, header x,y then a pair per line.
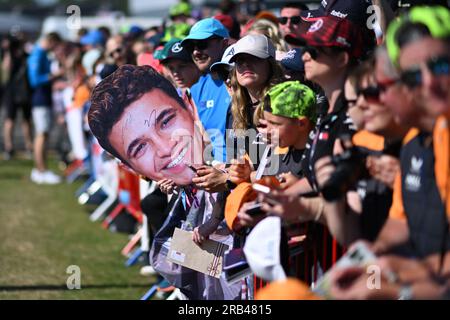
x,y
229,184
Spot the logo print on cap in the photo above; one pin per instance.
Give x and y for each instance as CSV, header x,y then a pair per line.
x,y
290,55
343,41
316,26
231,52
177,47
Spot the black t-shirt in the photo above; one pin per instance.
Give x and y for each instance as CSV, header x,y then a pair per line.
x,y
329,127
287,162
423,205
376,197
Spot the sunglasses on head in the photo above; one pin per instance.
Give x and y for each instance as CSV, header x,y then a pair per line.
x,y
438,66
294,20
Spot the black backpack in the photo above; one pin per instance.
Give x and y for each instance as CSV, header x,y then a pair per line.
x,y
20,86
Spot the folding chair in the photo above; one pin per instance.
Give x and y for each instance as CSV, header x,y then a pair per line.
x,y
163,287
129,197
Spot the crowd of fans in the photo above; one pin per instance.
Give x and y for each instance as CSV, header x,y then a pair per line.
x,y
330,124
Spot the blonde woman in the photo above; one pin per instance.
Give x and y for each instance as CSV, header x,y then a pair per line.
x,y
255,71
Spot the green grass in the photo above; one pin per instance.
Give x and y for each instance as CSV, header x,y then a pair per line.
x,y
43,230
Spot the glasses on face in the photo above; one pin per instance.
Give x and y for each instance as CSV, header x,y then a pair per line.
x,y
199,44
438,66
370,93
313,52
316,52
385,84
294,20
117,50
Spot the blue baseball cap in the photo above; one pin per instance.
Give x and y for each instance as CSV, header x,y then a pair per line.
x,y
93,38
205,29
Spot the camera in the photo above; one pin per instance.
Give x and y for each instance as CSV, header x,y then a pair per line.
x,y
349,167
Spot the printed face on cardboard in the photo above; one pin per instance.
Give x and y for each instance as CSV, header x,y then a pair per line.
x,y
154,133
155,136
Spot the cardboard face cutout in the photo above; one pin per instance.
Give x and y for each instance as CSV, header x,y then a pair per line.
x,y
137,115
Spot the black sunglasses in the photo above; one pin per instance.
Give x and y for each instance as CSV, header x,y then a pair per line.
x,y
371,93
294,20
313,52
438,66
112,53
199,44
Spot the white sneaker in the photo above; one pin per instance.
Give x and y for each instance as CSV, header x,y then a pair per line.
x,y
147,271
49,177
36,176
46,177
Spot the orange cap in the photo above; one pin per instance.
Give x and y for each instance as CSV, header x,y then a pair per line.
x,y
241,194
289,289
268,16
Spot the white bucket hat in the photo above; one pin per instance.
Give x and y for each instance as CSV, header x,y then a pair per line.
x,y
262,250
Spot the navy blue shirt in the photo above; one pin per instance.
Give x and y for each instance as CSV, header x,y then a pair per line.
x,y
39,77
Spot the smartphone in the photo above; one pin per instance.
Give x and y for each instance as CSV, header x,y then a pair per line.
x,y
360,255
255,210
261,188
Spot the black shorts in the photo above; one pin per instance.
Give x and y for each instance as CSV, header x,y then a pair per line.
x,y
11,110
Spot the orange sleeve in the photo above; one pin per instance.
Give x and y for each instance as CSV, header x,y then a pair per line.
x,y
397,211
81,96
441,139
368,140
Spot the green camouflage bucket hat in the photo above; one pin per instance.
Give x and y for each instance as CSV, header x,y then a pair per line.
x,y
435,18
291,99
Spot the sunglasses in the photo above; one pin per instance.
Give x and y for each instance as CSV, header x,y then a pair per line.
x,y
315,52
112,53
200,44
438,66
384,85
294,20
370,94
